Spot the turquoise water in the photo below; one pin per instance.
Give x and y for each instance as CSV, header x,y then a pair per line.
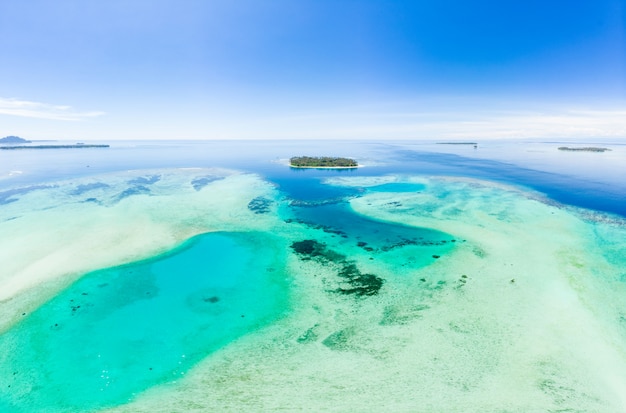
x,y
120,330
397,187
339,218
373,236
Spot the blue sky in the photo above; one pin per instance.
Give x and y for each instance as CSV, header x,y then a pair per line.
x,y
288,69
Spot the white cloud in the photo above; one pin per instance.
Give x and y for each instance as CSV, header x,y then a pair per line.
x,y
557,123
458,122
28,109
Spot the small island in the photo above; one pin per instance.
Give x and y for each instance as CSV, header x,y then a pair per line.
x,y
322,162
474,144
81,146
585,149
13,140
457,143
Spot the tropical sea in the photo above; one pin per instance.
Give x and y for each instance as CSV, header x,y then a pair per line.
x,y
171,276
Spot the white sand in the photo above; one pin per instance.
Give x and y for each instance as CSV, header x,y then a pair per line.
x,y
535,328
538,325
52,241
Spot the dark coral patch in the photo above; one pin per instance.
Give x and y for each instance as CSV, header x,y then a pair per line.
x,y
145,180
352,280
7,197
361,284
136,190
260,205
309,247
81,189
202,181
339,340
326,228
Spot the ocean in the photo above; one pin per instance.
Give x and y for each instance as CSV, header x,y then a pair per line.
x,y
211,276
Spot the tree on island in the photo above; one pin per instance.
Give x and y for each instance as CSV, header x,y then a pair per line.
x,y
13,139
322,162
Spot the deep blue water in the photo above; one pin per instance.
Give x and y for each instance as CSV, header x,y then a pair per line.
x,y
307,184
559,187
39,167
562,188
341,218
175,309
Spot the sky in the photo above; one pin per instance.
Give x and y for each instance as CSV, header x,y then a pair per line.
x,y
312,69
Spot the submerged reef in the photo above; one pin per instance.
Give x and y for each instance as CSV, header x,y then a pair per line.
x,y
202,181
260,205
135,190
352,280
81,189
511,304
145,180
316,202
326,228
139,186
11,195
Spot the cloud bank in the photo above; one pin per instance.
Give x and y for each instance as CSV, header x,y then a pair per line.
x,y
39,110
453,123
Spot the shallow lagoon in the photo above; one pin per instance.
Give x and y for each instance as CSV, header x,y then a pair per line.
x,y
120,330
475,277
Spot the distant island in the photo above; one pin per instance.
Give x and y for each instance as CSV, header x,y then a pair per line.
x,y
474,144
457,143
78,145
585,149
13,140
322,162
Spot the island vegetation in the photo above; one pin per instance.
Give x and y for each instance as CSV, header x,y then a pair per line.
x,y
322,162
585,149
